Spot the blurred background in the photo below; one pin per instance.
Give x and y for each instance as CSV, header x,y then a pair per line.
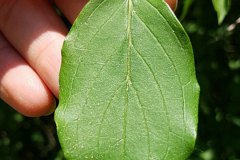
x,y
216,44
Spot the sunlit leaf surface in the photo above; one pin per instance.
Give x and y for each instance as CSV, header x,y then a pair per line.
x,y
127,85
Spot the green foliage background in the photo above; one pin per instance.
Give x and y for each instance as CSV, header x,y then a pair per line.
x,y
217,56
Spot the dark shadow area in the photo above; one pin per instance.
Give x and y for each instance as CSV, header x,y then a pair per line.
x,y
23,138
217,56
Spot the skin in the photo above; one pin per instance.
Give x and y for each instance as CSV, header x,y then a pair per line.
x,y
31,37
172,4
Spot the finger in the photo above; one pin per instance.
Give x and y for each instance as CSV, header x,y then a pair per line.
x,y
36,31
172,4
20,86
71,8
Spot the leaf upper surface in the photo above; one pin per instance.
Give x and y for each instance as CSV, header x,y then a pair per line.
x,y
221,7
127,84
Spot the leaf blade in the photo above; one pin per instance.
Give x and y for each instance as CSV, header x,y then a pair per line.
x,y
221,7
126,84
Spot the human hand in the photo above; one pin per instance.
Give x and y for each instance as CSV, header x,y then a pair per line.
x,y
31,38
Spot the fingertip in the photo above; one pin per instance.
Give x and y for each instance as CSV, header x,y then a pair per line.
x,y
29,97
52,109
172,4
71,9
40,109
20,86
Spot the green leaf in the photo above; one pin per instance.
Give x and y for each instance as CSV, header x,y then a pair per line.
x,y
186,6
221,7
127,84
